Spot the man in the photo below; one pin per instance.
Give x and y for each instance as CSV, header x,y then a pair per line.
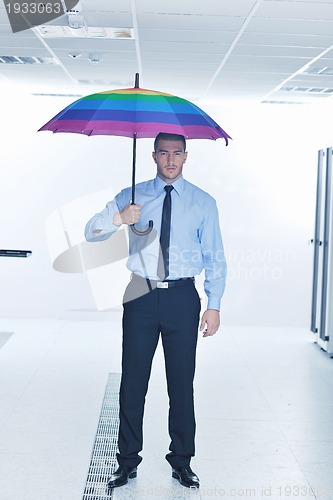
x,y
161,299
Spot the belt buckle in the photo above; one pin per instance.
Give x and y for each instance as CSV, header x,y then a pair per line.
x,y
162,284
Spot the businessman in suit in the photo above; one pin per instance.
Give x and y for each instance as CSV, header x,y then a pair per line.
x,y
161,299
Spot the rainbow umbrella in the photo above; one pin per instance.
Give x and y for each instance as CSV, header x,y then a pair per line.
x,y
135,113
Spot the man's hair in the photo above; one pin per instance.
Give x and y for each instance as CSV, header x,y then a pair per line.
x,y
164,136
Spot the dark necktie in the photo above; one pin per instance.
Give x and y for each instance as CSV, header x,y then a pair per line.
x,y
163,261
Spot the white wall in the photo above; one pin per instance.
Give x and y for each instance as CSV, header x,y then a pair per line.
x,y
264,182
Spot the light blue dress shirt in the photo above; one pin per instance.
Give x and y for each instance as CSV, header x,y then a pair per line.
x,y
195,237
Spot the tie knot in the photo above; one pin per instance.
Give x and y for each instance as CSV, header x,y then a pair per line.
x,y
168,189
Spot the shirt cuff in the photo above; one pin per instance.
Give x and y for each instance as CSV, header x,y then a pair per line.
x,y
214,303
105,226
103,230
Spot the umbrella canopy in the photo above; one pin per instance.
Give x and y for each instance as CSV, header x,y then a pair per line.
x,y
126,112
135,113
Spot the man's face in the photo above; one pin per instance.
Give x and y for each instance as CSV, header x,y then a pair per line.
x,y
169,158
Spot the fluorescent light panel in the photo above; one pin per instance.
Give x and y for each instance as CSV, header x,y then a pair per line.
x,y
50,31
308,90
26,60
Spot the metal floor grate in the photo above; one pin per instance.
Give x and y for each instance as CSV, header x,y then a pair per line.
x,y
103,459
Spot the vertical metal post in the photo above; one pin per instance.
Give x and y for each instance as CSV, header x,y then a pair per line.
x,y
329,268
326,245
317,243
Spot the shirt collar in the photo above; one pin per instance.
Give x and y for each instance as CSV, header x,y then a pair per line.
x,y
178,185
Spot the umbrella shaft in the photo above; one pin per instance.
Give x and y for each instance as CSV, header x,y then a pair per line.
x,y
133,168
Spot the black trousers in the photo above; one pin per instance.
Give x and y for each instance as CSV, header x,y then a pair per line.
x,y
173,313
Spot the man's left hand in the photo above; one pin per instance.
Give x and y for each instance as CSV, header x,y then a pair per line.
x,y
211,320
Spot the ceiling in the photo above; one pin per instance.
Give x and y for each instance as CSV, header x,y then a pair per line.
x,y
217,50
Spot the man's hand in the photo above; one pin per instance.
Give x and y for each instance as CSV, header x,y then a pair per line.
x,y
129,215
210,319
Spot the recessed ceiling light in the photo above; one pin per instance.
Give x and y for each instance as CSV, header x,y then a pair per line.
x,y
308,90
318,71
50,31
44,94
27,60
74,55
283,102
95,57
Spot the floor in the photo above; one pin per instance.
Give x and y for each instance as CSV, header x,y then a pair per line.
x,y
264,410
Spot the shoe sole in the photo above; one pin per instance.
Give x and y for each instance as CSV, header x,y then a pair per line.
x,y
176,476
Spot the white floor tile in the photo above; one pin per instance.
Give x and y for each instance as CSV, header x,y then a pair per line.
x,y
264,413
241,478
33,477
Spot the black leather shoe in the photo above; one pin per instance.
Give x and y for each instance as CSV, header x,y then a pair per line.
x,y
186,477
121,475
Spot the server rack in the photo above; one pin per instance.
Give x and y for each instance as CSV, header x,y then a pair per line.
x,y
322,280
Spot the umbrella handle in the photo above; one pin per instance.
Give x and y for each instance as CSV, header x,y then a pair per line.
x,y
142,233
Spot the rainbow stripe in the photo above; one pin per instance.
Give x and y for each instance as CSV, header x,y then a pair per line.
x,y
145,112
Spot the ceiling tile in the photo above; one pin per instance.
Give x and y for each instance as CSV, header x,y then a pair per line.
x,y
189,7
168,21
83,44
185,47
290,27
15,43
326,60
272,51
195,36
107,5
4,17
311,81
117,74
286,39
109,19
24,51
295,10
276,63
206,66
168,57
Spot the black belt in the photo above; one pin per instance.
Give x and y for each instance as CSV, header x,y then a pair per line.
x,y
165,283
